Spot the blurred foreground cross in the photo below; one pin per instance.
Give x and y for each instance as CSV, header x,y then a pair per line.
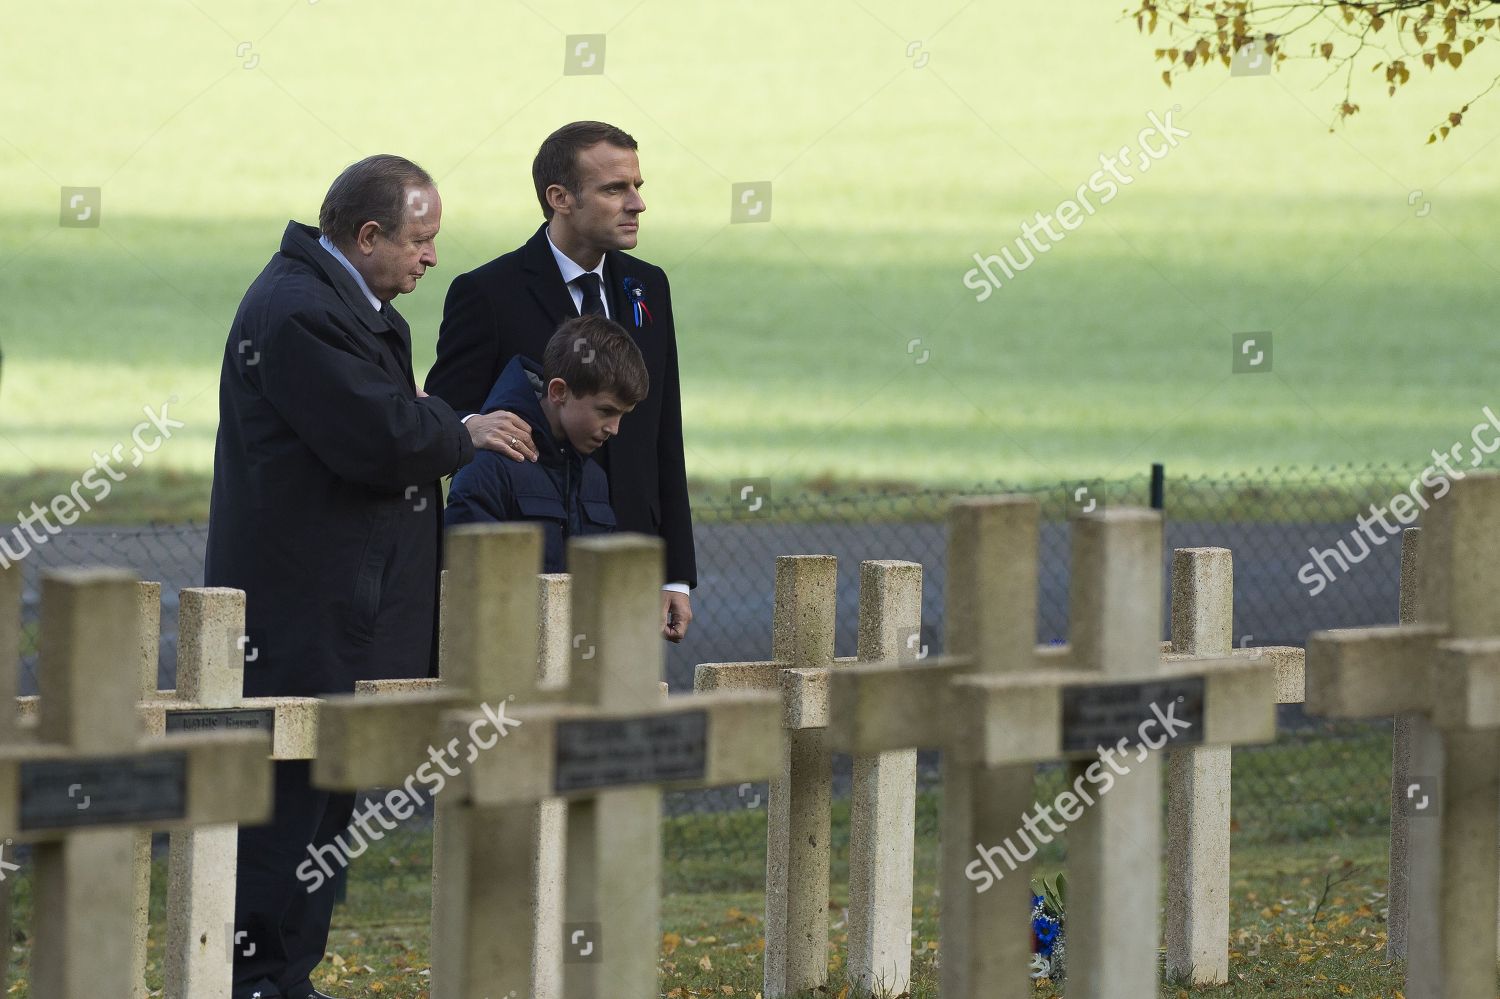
x,y
610,752
492,864
86,780
1447,667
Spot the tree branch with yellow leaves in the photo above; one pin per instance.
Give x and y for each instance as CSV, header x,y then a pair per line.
x,y
1342,33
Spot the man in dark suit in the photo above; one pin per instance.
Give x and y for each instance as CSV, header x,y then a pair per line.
x,y
587,178
326,511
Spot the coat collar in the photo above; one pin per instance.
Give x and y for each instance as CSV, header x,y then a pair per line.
x,y
300,242
519,390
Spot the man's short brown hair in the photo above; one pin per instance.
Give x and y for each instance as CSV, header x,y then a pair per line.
x,y
557,161
372,190
593,354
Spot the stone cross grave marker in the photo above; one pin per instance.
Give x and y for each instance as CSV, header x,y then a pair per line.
x,y
883,793
454,820
1445,666
883,796
484,858
991,621
1416,749
610,752
211,660
997,705
28,708
91,780
547,819
1198,777
1117,689
798,809
10,733
207,698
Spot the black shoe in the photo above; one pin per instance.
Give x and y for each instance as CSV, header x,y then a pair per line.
x,y
263,989
312,993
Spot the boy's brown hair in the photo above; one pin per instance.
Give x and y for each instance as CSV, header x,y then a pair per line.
x,y
594,354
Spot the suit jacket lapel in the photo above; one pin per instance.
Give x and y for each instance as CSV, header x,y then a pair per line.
x,y
614,287
545,281
389,332
336,274
398,338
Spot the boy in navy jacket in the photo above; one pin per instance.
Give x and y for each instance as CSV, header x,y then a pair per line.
x,y
591,375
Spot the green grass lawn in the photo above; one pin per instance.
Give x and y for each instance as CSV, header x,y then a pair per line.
x,y
1111,351
713,940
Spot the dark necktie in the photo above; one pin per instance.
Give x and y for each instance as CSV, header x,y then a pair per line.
x,y
593,305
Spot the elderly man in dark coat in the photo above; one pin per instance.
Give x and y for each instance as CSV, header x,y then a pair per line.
x,y
327,511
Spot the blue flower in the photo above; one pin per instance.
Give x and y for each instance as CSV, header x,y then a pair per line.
x,y
1046,929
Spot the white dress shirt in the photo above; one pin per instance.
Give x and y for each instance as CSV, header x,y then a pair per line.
x,y
359,279
571,270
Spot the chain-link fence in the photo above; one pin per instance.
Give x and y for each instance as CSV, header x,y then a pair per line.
x,y
1316,779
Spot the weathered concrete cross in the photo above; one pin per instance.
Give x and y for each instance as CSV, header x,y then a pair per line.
x,y
998,704
1446,667
610,752
883,794
485,859
92,778
1198,777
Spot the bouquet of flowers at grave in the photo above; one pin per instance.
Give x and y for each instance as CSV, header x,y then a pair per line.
x,y
1047,927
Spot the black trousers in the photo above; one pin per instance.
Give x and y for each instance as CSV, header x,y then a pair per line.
x,y
281,927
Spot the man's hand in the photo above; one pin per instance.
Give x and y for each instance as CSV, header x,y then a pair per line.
x,y
504,432
676,614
